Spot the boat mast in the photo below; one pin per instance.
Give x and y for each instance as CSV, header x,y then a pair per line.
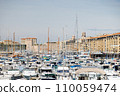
x,y
63,52
63,43
77,31
13,43
0,35
58,44
48,40
8,41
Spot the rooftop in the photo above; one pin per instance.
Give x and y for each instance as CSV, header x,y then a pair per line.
x,y
102,36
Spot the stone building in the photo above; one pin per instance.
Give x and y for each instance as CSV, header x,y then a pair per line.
x,y
53,47
31,44
108,44
105,43
9,45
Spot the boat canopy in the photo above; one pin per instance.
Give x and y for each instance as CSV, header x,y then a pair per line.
x,y
75,66
96,70
63,68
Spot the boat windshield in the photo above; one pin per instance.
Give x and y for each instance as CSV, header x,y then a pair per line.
x,y
61,71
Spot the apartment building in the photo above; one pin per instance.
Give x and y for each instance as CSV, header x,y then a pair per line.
x,y
109,43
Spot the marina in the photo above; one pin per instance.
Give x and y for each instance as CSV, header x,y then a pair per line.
x,y
68,40
85,58
52,67
60,47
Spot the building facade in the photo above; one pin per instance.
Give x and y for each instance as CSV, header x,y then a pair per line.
x,y
53,47
10,46
31,44
107,44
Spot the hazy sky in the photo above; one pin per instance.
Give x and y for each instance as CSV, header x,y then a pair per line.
x,y
31,18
